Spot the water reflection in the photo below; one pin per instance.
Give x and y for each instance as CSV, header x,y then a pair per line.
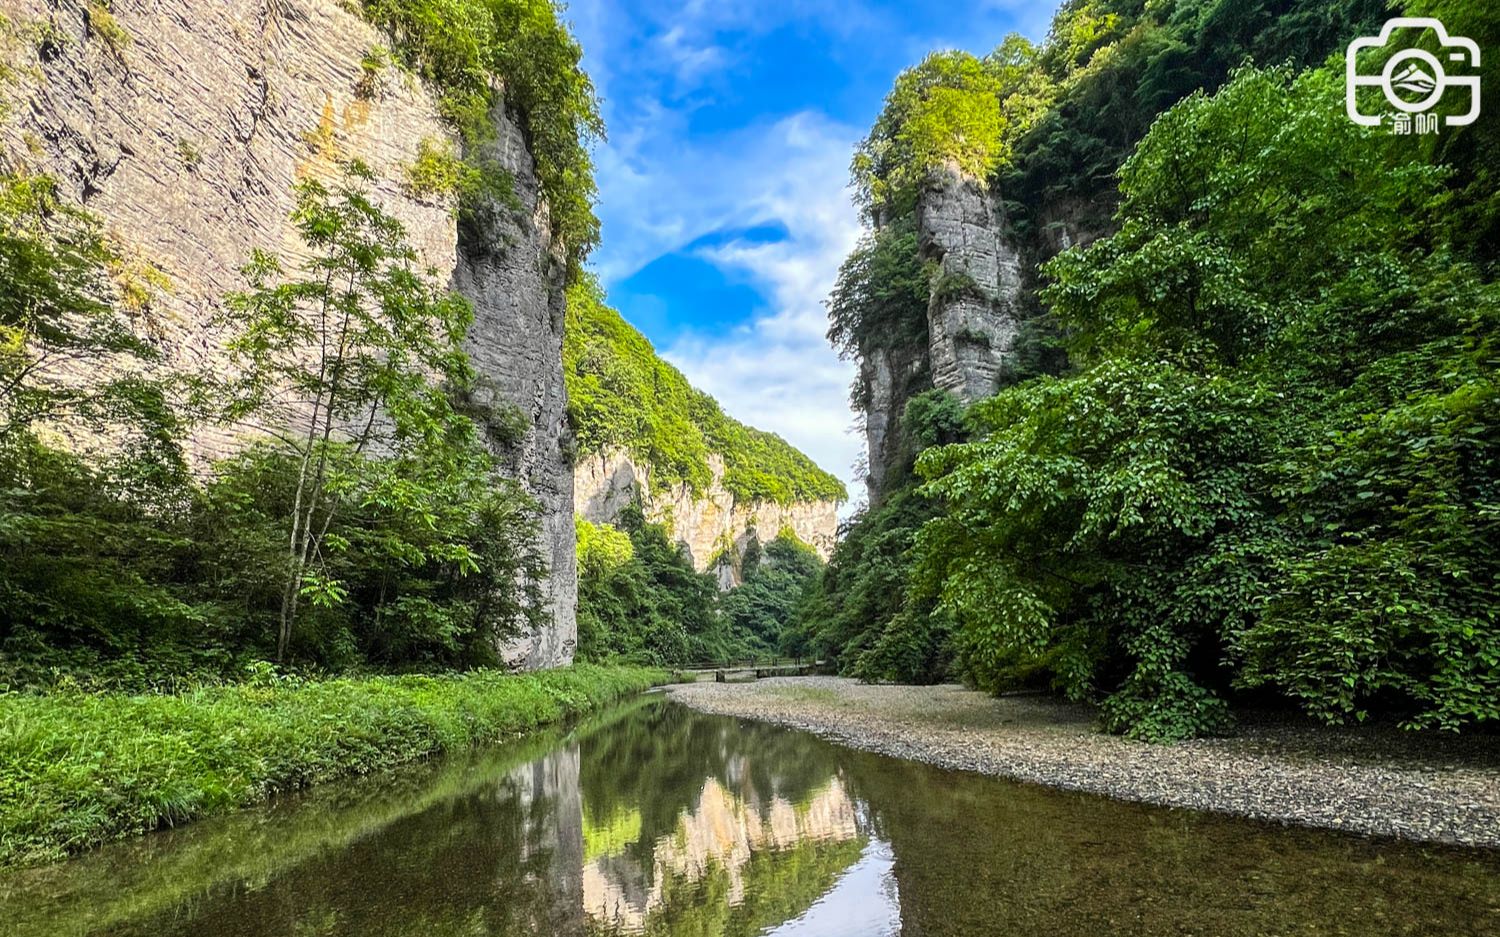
x,y
658,821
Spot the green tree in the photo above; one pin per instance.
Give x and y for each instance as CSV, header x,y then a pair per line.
x,y
647,603
60,325
348,366
765,603
1271,467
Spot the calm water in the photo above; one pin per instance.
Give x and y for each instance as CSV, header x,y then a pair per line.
x,y
655,820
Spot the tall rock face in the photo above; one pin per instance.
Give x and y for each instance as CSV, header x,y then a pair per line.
x,y
888,376
973,314
713,526
511,269
972,319
184,127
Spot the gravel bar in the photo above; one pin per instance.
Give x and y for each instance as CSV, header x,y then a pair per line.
x,y
1368,780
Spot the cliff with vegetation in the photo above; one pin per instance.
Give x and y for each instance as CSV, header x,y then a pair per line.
x,y
187,132
645,435
1158,414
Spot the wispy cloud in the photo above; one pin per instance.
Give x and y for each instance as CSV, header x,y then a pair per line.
x,y
778,371
729,117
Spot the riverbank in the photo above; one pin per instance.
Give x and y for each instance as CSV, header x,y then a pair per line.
x,y
1363,780
78,770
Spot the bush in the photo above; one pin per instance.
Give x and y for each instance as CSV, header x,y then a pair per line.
x,y
470,48
645,604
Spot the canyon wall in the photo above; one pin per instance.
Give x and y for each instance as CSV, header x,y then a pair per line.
x,y
973,318
184,127
707,524
973,312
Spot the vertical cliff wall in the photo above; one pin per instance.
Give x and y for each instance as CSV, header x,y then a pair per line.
x,y
184,126
973,314
511,269
973,318
708,524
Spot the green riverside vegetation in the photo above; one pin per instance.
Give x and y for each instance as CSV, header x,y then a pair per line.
x,y
641,600
1247,448
97,767
622,396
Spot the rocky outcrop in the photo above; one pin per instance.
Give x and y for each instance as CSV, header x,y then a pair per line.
x,y
185,127
973,314
888,378
708,524
513,272
973,319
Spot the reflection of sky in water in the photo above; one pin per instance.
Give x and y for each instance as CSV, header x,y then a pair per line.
x,y
863,903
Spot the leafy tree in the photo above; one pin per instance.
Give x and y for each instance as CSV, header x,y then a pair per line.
x,y
474,51
647,603
857,614
60,326
951,110
1272,468
774,579
347,367
437,588
880,298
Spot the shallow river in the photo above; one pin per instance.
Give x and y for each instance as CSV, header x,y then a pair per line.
x,y
652,819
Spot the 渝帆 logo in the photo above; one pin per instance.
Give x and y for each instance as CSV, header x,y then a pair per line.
x,y
1414,80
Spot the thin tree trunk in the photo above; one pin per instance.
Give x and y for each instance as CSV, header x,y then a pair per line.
x,y
297,558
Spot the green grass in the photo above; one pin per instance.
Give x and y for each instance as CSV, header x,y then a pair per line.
x,y
78,770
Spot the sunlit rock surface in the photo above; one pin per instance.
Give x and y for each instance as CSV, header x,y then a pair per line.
x,y
707,524
187,141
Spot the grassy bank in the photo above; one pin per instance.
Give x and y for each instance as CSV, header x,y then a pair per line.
x,y
77,770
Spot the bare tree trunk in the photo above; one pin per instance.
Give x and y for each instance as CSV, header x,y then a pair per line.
x,y
297,559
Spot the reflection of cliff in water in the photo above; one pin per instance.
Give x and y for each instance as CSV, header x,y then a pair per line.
x,y
656,820
721,836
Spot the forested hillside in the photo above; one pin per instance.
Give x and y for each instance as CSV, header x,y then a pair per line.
x,y
641,595
622,396
1244,447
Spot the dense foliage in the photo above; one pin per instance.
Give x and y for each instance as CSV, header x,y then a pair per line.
x,y
773,580
476,50
1277,463
641,600
864,614
622,396
102,767
121,570
1265,461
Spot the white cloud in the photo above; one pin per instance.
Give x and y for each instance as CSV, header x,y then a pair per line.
x,y
666,182
778,372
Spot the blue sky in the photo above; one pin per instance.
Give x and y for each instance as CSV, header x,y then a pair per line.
x,y
723,187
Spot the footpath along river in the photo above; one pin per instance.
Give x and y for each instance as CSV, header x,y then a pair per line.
x,y
657,819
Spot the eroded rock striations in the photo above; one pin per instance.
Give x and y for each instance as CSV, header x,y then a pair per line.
x,y
185,127
972,322
713,525
973,313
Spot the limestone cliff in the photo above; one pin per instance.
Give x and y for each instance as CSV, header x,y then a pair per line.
x,y
185,126
710,525
972,315
981,281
